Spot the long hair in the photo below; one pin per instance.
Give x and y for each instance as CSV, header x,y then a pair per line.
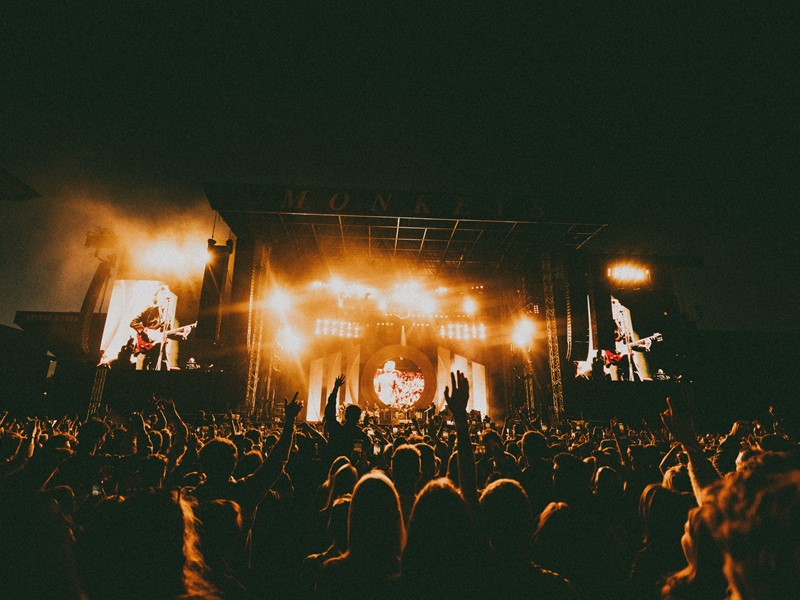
x,y
506,513
145,547
375,526
442,545
343,482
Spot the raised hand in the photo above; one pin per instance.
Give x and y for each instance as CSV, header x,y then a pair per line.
x,y
679,423
32,430
339,382
168,406
457,402
293,408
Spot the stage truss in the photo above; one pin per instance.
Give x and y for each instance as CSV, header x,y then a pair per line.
x,y
440,248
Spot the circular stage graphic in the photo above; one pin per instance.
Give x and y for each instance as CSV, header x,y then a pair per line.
x,y
399,376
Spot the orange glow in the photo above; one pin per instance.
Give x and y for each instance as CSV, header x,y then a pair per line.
x,y
470,306
628,273
290,340
185,258
453,330
279,301
411,298
524,330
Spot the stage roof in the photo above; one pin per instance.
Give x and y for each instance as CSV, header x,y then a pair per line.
x,y
430,233
12,188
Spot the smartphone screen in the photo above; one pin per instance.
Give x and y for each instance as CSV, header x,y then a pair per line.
x,y
357,446
394,430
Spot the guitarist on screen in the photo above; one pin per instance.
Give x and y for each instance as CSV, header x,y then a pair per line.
x,y
153,327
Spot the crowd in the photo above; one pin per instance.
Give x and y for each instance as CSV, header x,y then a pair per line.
x,y
162,505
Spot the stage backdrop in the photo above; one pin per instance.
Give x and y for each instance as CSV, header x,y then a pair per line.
x,y
360,378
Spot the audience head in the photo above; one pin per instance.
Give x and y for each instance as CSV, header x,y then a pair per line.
x,y
218,458
254,435
427,463
248,464
608,484
491,440
442,543
352,414
406,467
343,482
375,526
663,514
507,516
755,518
91,435
571,477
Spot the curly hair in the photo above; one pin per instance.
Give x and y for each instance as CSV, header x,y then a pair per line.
x,y
755,518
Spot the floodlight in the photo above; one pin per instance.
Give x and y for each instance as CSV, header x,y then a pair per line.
x,y
627,273
523,333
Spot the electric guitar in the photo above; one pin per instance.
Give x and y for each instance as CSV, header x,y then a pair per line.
x,y
640,345
583,368
147,338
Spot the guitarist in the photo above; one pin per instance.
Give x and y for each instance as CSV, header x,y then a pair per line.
x,y
157,316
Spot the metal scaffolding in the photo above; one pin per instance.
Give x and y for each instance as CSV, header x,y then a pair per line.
x,y
552,338
98,387
255,325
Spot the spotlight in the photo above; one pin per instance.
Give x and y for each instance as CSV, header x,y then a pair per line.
x,y
280,301
524,331
627,273
289,340
470,306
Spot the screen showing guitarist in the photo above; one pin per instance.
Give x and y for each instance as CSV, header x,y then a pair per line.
x,y
153,327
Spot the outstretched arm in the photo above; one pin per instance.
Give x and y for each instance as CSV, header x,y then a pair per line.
x,y
269,472
330,406
457,403
678,422
181,435
144,446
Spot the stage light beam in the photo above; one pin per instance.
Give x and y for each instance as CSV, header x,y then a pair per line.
x,y
280,301
523,333
290,340
470,306
169,257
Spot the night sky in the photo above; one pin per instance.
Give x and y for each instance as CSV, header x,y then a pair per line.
x,y
681,120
